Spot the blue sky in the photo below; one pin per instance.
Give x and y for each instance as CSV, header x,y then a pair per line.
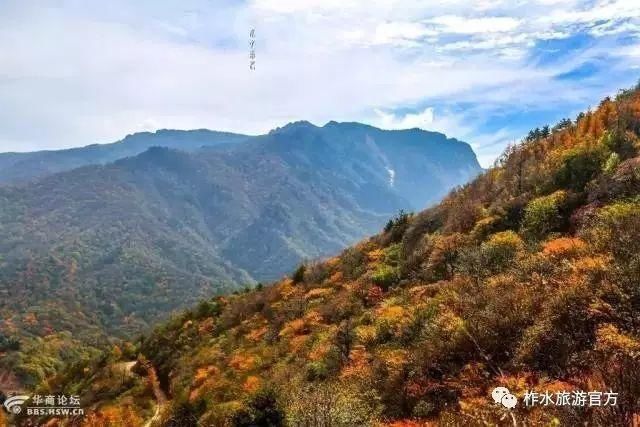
x,y
79,72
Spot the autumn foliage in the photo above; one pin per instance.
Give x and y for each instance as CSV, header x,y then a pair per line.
x,y
526,277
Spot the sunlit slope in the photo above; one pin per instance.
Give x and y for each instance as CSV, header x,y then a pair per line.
x,y
526,278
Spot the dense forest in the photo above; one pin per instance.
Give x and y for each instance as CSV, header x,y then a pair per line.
x,y
527,277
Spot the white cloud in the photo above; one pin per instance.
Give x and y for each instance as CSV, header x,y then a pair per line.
x,y
399,32
83,73
463,25
603,10
422,120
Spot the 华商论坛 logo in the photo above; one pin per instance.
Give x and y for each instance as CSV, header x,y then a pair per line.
x,y
13,404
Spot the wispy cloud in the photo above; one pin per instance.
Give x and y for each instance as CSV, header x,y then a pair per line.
x,y
483,71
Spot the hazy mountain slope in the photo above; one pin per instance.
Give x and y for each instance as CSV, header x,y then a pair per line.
x,y
96,240
21,167
346,168
525,278
117,246
419,165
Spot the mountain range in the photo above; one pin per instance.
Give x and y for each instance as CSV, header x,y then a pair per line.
x,y
114,237
22,167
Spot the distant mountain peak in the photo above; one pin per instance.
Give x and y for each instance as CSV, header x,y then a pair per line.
x,y
409,131
295,126
176,133
349,125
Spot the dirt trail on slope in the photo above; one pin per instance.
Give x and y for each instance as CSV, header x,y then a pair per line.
x,y
158,393
161,397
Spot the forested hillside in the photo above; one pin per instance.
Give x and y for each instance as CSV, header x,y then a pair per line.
x,y
107,250
527,278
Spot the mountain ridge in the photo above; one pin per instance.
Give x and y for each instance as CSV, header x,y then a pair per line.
x,y
120,245
20,167
23,167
